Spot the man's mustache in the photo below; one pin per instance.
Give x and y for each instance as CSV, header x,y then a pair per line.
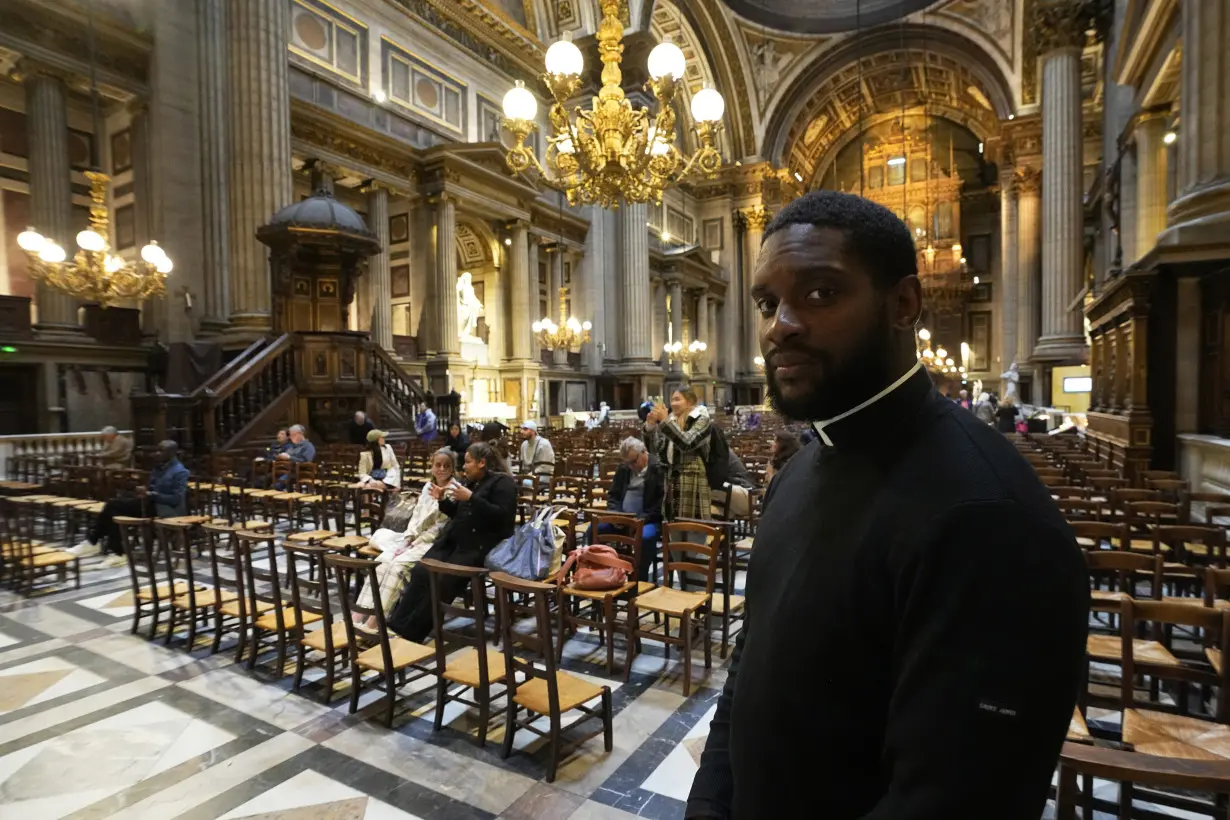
x,y
792,354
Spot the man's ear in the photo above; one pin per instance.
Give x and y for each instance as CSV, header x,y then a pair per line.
x,y
905,302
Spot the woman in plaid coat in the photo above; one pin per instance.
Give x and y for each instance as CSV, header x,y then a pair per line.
x,y
680,438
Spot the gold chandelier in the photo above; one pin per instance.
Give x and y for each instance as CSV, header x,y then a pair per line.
x,y
95,274
569,333
612,150
687,354
938,360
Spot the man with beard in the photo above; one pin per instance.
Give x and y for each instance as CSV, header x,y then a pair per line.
x,y
916,604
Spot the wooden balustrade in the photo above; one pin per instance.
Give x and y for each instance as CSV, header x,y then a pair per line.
x,y
402,393
19,453
256,383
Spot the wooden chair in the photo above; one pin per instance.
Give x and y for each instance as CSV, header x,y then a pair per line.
x,y
32,560
280,623
1069,491
1092,535
1080,509
196,600
478,665
1210,502
233,615
686,605
387,658
309,592
1143,518
599,609
152,592
545,690
1121,571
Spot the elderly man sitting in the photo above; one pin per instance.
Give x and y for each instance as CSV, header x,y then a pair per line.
x,y
116,452
638,489
299,450
167,493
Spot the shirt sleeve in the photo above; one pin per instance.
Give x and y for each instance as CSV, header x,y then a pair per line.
x,y
498,509
991,617
693,438
176,488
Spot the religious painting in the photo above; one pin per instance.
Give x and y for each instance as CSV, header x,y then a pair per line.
x,y
399,228
896,174
320,364
14,136
80,149
399,276
326,289
125,228
711,234
121,152
303,287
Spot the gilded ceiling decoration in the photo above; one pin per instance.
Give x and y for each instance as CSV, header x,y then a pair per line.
x,y
824,16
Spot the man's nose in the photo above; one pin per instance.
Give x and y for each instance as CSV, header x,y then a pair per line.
x,y
781,326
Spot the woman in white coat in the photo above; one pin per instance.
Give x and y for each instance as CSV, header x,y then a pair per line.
x,y
401,549
378,467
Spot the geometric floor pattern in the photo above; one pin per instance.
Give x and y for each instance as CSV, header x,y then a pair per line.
x,y
97,723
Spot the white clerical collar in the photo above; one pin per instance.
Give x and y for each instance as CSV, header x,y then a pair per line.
x,y
820,425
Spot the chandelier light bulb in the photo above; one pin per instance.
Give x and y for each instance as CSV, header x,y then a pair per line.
x,y
666,236
708,105
1169,137
758,361
928,354
89,240
666,59
52,253
164,265
565,58
379,96
536,327
152,253
574,325
941,353
519,103
31,241
587,326
113,263
924,334
949,361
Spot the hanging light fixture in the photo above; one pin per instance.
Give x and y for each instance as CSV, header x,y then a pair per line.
x,y
569,333
95,273
612,151
689,353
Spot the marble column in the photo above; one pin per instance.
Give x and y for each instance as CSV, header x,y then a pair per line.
x,y
701,331
1201,211
380,284
676,314
757,220
260,171
1061,27
51,196
555,280
531,295
1150,182
153,311
1029,251
448,342
215,158
637,313
519,282
1009,267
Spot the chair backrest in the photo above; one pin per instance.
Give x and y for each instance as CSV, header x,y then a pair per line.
x,y
445,613
139,544
679,554
219,548
1120,569
1099,531
1180,537
1121,496
515,598
626,539
1214,623
252,546
1153,475
1144,516
308,579
1080,509
282,471
1216,585
1069,491
350,574
305,476
1208,500
176,549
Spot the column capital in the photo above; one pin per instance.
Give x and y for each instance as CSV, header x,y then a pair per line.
x,y
373,186
1059,24
1027,180
738,220
517,225
757,217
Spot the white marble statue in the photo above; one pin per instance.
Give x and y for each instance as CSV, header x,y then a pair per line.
x,y
468,307
1011,379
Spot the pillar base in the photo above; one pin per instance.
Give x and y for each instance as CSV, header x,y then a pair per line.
x,y
1201,218
212,326
1069,348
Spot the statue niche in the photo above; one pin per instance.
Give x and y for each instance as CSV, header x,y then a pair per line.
x,y
318,250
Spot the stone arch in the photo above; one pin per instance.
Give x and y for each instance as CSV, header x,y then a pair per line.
x,y
476,244
944,70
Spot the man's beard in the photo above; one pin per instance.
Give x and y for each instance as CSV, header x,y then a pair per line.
x,y
844,385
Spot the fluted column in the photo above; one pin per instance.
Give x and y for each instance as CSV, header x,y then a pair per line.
x,y
519,271
381,286
676,314
531,299
215,158
637,313
555,278
1029,251
1201,211
701,331
1009,266
757,220
260,170
1061,28
1150,182
446,275
51,196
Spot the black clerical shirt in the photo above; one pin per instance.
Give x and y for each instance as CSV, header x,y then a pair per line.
x,y
917,614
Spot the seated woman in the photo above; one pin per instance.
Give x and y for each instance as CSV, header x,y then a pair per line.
x,y
483,511
638,489
378,468
785,445
456,440
401,550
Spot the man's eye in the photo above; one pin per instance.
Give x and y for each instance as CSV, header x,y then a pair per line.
x,y
766,306
822,294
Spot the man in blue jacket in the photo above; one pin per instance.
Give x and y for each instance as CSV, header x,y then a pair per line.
x,y
166,496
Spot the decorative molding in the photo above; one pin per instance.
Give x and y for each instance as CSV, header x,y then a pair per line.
x,y
475,29
1060,24
336,142
1027,180
757,218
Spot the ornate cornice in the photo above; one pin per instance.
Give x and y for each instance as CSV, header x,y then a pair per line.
x,y
336,142
1027,180
1062,23
494,39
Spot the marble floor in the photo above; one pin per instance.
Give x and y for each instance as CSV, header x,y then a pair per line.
x,y
97,723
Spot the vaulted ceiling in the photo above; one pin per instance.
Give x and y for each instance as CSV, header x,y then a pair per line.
x,y
824,16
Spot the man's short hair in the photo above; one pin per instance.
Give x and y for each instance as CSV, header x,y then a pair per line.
x,y
297,428
109,431
360,413
169,447
874,234
631,446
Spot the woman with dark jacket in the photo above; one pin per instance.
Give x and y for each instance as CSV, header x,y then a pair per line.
x,y
638,489
457,440
482,511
